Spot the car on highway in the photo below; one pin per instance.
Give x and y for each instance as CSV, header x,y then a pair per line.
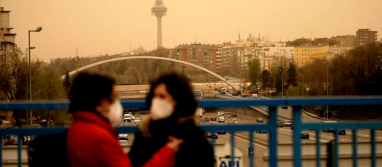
x,y
259,120
244,95
329,130
236,93
206,119
254,95
213,119
233,115
304,135
222,92
341,132
249,93
261,131
222,113
284,107
122,142
209,135
280,123
221,132
122,137
221,119
288,123
233,122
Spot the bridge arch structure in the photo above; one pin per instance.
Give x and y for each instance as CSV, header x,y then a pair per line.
x,y
147,57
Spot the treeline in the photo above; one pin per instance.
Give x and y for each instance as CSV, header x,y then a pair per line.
x,y
356,73
46,85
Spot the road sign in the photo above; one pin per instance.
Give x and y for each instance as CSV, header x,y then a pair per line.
x,y
227,162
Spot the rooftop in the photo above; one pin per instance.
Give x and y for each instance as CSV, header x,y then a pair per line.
x,y
202,46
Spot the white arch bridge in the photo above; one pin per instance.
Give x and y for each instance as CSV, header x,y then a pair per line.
x,y
147,57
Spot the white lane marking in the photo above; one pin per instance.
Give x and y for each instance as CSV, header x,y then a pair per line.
x,y
248,142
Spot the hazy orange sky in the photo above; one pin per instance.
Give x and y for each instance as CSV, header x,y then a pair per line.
x,y
98,25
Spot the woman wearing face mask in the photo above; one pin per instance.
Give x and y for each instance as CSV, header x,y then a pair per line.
x,y
173,107
92,140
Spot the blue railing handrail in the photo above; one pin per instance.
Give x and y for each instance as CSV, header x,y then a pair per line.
x,y
64,105
270,126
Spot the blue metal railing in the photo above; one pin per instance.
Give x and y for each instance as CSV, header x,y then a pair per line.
x,y
270,126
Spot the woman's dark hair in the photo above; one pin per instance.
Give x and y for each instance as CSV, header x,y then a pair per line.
x,y
88,90
179,87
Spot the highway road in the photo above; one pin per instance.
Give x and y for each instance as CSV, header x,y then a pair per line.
x,y
362,134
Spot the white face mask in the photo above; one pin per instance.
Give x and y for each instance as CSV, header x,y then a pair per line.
x,y
161,109
115,113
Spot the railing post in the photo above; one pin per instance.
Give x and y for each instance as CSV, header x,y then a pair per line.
x,y
297,136
253,148
318,148
272,124
1,152
18,151
373,149
232,162
355,152
335,159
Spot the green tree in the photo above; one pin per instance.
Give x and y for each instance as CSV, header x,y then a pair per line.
x,y
266,80
253,70
294,90
291,80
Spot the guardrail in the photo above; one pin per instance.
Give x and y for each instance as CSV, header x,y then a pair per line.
x,y
270,126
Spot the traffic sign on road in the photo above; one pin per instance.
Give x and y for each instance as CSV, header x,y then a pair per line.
x,y
227,162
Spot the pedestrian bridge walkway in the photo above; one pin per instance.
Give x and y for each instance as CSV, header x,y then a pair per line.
x,y
273,158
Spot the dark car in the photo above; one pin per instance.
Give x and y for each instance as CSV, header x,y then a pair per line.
x,y
221,132
222,92
280,123
233,115
261,131
209,135
341,132
213,119
236,93
284,107
259,120
244,95
304,135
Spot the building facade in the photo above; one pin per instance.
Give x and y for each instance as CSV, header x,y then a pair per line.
x,y
302,53
8,45
339,50
198,54
365,36
345,40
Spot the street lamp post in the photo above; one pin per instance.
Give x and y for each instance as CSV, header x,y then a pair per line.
x,y
282,83
302,86
38,29
327,89
26,80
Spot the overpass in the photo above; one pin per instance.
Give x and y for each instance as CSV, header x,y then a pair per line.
x,y
148,57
